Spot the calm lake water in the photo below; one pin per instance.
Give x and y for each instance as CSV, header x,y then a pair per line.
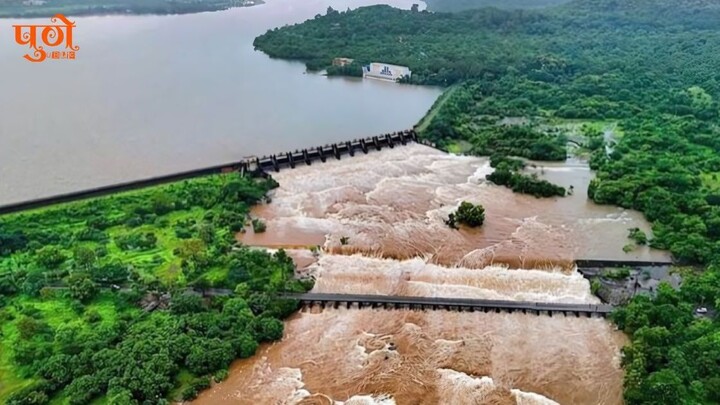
x,y
150,95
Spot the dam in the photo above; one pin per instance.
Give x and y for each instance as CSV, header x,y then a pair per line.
x,y
253,165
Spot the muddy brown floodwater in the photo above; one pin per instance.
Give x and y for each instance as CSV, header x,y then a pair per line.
x,y
379,219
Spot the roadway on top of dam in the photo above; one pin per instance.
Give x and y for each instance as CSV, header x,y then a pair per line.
x,y
452,304
255,165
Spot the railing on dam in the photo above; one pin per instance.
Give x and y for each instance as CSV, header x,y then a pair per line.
x,y
450,304
253,165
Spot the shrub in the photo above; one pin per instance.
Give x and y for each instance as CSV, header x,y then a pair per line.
x,y
638,236
220,375
469,214
258,226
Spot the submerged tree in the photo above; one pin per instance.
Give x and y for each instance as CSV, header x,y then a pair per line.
x,y
468,214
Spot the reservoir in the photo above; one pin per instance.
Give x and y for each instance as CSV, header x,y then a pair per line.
x,y
151,95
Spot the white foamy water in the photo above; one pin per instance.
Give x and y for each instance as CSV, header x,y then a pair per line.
x,y
460,388
394,202
358,274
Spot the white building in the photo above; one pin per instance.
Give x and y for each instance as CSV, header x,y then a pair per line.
x,y
385,71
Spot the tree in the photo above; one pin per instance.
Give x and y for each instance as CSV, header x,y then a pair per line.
x,y
83,389
120,396
84,256
69,339
33,282
82,288
470,214
664,386
206,232
208,355
186,304
191,249
242,290
50,257
270,329
245,345
34,394
235,305
12,242
111,273
59,369
258,225
162,203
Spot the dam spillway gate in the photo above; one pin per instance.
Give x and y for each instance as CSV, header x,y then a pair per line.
x,y
334,151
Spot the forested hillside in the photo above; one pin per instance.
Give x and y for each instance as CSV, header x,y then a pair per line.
x,y
105,299
651,68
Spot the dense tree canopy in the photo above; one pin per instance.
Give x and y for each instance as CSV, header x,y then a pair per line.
x,y
81,286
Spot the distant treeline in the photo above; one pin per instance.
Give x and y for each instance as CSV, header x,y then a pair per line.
x,y
461,5
49,8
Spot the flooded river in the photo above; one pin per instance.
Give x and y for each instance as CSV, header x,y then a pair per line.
x,y
150,95
379,219
393,204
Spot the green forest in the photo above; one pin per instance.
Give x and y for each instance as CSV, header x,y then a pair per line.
x,y
651,68
138,298
461,5
49,8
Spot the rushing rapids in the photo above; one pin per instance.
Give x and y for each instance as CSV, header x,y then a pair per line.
x,y
379,219
393,204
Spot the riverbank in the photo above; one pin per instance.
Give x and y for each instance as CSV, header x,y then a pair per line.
x,y
78,8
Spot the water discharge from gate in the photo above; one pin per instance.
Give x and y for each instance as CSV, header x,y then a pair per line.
x,y
379,220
